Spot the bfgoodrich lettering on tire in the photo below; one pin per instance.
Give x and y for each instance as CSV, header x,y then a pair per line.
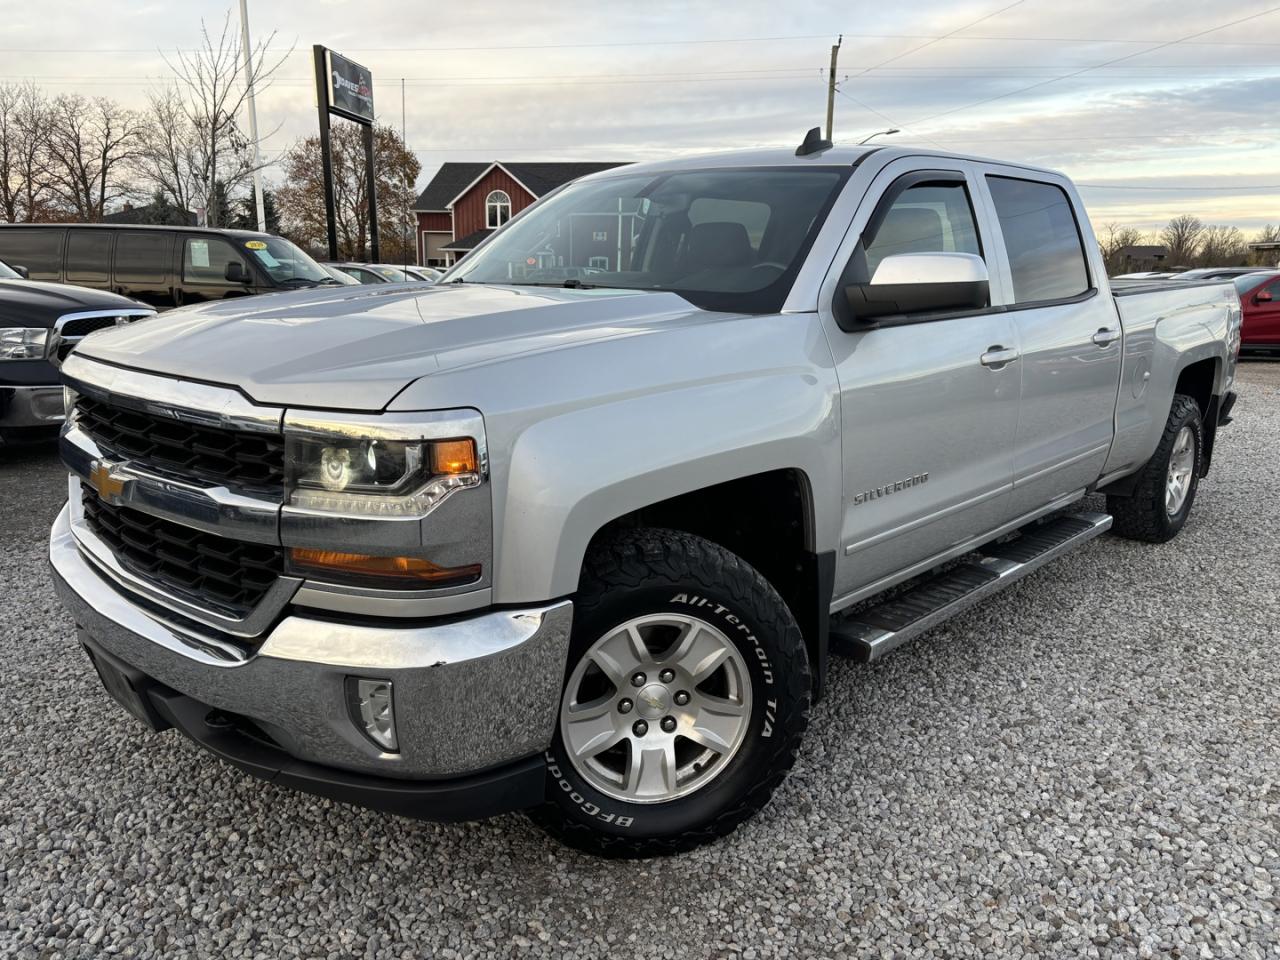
x,y
686,695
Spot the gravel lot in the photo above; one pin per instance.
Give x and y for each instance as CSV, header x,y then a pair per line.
x,y
1085,766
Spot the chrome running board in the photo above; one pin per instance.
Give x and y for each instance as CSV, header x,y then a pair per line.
x,y
872,632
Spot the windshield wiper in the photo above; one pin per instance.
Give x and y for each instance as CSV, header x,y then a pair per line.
x,y
573,283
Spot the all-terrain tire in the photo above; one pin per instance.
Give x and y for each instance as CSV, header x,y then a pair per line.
x,y
654,572
1143,515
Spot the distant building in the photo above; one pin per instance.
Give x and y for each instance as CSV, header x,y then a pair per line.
x,y
1266,250
1137,257
465,202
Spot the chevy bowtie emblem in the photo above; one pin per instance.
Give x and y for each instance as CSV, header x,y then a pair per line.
x,y
651,700
108,485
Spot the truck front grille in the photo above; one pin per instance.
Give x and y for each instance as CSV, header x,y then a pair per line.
x,y
82,327
199,567
236,459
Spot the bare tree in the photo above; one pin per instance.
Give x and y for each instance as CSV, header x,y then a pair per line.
x,y
91,144
25,187
1182,237
167,159
1222,246
210,93
1112,241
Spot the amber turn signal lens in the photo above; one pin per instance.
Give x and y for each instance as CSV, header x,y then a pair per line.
x,y
413,569
452,457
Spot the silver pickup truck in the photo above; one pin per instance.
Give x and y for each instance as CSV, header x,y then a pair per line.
x,y
574,530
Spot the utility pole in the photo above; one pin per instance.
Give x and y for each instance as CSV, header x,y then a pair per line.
x,y
831,83
410,225
253,114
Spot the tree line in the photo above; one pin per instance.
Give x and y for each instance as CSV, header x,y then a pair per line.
x,y
1189,242
76,158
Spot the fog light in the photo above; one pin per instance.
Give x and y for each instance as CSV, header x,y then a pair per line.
x,y
373,710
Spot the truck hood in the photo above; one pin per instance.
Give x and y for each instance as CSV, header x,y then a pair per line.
x,y
33,303
355,349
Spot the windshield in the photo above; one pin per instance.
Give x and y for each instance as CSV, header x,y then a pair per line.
x,y
284,261
344,278
1248,281
7,274
729,239
390,274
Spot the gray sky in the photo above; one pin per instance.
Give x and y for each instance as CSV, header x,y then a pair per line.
x,y
498,79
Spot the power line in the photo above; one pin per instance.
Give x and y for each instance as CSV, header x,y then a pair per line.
x,y
888,120
1107,63
945,36
836,89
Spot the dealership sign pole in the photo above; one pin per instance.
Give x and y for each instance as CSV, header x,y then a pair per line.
x,y
345,88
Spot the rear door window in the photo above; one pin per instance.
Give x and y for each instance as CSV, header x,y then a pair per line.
x,y
205,260
1041,238
89,257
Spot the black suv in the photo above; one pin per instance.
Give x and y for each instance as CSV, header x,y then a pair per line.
x,y
162,266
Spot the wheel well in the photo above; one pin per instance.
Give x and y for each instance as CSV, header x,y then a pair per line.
x,y
767,520
1197,381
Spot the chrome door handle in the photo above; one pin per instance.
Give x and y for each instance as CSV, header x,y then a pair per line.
x,y
1105,337
997,356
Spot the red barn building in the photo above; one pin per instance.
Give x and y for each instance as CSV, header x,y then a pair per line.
x,y
465,202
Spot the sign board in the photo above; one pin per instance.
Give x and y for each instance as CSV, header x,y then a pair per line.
x,y
350,88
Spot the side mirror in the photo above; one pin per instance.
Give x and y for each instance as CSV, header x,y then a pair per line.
x,y
911,283
22,272
236,273
1262,296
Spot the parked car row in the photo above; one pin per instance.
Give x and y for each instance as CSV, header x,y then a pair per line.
x,y
161,266
167,267
1200,273
386,272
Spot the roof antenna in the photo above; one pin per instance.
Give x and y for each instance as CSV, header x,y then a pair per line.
x,y
813,143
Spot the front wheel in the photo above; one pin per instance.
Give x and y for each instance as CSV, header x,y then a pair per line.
x,y
686,697
1167,484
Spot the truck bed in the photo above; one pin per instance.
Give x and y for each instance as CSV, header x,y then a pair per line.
x,y
1127,288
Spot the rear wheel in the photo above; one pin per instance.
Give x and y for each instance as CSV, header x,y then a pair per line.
x,y
1167,484
686,697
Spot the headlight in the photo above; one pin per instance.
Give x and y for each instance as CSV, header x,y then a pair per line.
x,y
23,343
378,477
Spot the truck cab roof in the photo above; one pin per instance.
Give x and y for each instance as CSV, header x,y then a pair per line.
x,y
838,155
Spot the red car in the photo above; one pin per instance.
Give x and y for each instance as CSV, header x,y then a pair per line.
x,y
1260,298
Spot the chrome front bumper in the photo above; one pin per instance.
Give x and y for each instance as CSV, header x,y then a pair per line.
x,y
470,694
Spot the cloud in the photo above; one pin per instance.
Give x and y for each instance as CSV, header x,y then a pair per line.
x,y
518,83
